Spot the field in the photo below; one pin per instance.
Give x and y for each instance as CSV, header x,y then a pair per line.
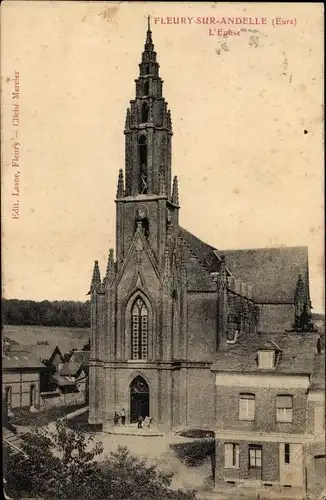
x,y
29,336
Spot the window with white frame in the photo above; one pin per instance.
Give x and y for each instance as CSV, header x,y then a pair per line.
x,y
231,456
255,455
266,359
284,408
247,407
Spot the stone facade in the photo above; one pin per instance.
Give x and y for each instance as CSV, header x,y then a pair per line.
x,y
167,299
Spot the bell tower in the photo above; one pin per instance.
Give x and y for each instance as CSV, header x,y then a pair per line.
x,y
145,194
148,129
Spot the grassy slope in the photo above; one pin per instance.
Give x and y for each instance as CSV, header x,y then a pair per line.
x,y
64,338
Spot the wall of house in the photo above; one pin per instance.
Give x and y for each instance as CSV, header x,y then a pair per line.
x,y
200,397
21,382
202,326
316,413
270,462
227,409
276,317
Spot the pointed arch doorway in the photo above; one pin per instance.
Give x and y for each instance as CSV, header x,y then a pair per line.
x,y
139,399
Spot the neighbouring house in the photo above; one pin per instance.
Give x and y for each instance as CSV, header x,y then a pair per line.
x,y
76,370
168,300
269,400
316,449
21,374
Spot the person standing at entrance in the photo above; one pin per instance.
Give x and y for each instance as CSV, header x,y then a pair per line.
x,y
123,416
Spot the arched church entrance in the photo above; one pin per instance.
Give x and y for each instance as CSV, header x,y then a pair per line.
x,y
139,399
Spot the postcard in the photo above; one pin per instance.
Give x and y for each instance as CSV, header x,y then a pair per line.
x,y
163,259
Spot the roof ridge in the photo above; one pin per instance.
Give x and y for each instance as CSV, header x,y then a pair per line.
x,y
282,247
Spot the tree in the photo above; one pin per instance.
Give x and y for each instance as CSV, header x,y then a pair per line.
x,y
62,464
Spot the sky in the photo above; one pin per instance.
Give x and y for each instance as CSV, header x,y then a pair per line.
x,y
247,115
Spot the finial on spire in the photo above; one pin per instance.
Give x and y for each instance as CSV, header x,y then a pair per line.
x,y
149,41
96,278
120,188
127,122
175,191
110,270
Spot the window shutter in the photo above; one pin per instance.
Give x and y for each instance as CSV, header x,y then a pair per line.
x,y
228,455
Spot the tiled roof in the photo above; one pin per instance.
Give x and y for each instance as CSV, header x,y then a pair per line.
x,y
20,360
297,353
273,272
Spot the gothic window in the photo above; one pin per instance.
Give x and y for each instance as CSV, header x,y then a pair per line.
x,y
146,87
139,330
147,69
143,187
144,113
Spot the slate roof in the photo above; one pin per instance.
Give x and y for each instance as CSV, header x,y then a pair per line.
x,y
62,381
14,360
204,252
41,352
80,356
71,368
297,356
273,272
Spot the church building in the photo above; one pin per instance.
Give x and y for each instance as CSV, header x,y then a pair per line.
x,y
167,299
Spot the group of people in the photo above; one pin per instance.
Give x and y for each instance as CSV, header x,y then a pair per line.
x,y
120,415
144,423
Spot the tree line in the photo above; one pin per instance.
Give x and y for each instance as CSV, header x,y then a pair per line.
x,y
46,313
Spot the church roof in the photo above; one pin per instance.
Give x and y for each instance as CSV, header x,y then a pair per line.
x,y
204,252
273,272
298,353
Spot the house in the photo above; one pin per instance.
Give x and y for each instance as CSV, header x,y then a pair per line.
x,y
269,401
168,300
76,369
21,374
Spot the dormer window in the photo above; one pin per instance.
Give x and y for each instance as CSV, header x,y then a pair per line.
x,y
266,359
